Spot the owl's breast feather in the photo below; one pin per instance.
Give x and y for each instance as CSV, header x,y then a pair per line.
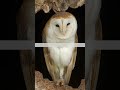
x,y
61,56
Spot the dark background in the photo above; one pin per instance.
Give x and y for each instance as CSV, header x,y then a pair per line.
x,y
109,76
8,27
109,67
110,17
77,74
11,76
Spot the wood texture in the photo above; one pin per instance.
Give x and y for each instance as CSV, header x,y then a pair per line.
x,y
57,5
45,84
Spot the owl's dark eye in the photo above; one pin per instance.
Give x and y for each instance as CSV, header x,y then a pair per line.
x,y
68,24
57,25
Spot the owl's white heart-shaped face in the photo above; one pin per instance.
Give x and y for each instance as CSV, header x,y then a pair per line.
x,y
63,27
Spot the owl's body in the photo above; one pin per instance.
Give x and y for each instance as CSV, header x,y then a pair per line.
x,y
60,61
61,56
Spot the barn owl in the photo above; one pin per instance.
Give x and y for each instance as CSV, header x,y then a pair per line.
x,y
60,61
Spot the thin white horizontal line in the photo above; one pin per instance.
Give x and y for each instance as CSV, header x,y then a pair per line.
x,y
59,44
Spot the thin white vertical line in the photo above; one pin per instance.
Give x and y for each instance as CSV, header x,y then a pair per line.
x,y
59,44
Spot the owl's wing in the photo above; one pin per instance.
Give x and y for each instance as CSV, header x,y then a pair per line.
x,y
43,36
48,60
76,38
50,64
45,31
71,66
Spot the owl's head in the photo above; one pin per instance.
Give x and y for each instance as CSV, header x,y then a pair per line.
x,y
62,25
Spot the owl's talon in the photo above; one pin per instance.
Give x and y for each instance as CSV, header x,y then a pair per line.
x,y
60,82
57,83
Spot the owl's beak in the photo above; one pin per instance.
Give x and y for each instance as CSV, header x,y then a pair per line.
x,y
63,31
